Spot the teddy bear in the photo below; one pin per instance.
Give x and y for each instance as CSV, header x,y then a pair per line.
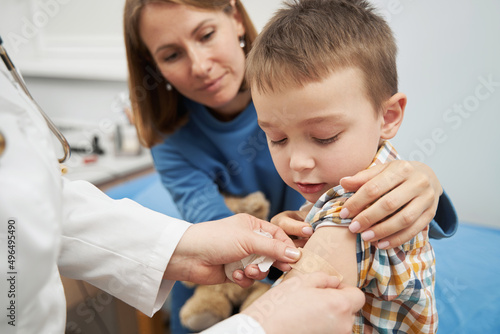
x,y
213,303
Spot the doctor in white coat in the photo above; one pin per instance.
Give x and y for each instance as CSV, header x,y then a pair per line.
x,y
51,226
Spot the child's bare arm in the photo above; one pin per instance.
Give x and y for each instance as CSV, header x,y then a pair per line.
x,y
336,245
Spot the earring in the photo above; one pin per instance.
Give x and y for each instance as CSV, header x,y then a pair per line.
x,y
168,87
242,41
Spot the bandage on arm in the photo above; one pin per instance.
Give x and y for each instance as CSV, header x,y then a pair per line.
x,y
311,262
331,250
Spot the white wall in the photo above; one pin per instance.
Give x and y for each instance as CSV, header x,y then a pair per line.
x,y
448,52
449,66
71,54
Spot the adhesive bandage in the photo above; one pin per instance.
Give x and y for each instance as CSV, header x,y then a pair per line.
x,y
311,262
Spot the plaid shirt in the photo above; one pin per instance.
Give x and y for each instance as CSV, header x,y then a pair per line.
x,y
398,283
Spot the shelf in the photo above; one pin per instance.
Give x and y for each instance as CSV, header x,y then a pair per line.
x,y
88,69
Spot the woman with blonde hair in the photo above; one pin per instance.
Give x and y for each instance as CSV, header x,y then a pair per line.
x,y
186,61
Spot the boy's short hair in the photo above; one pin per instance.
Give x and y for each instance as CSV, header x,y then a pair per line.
x,y
308,40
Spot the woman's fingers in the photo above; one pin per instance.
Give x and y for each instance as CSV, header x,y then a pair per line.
x,y
410,196
373,183
392,203
404,235
402,226
397,201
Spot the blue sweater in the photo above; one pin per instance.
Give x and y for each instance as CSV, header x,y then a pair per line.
x,y
207,157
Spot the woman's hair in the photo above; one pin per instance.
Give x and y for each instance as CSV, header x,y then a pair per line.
x,y
308,40
155,108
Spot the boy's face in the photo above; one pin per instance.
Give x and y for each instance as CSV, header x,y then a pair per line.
x,y
321,132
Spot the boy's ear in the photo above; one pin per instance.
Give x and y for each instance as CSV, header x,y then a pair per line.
x,y
394,109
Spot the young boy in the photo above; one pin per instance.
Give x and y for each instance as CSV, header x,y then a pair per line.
x,y
324,84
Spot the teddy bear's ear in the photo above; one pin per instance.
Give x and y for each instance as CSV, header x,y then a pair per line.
x,y
254,204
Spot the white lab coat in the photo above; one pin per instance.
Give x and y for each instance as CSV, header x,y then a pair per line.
x,y
73,229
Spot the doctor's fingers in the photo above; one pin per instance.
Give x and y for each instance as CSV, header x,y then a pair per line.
x,y
316,280
339,305
329,306
280,247
351,296
276,231
348,298
343,304
275,249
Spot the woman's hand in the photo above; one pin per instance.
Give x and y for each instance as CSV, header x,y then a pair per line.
x,y
205,248
310,303
393,202
292,222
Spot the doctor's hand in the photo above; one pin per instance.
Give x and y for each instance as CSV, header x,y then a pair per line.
x,y
310,303
205,248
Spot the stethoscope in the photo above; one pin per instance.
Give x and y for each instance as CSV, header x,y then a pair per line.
x,y
17,76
